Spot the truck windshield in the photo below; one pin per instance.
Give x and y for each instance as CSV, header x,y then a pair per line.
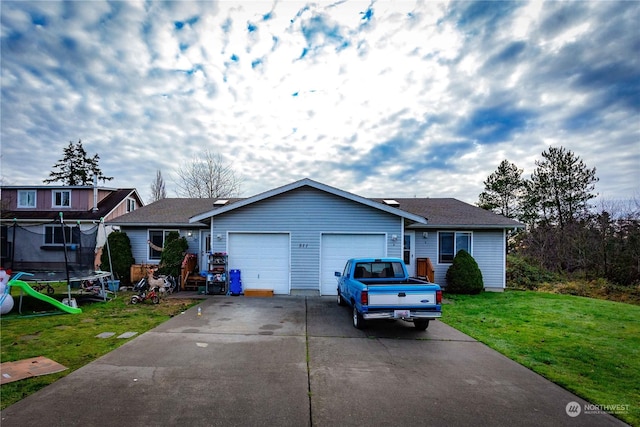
x,y
378,269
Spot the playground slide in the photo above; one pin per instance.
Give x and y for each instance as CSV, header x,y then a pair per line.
x,y
30,291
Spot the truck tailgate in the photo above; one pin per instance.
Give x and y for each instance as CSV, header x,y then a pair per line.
x,y
391,296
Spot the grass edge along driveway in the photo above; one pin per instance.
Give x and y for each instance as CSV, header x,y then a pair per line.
x,y
590,347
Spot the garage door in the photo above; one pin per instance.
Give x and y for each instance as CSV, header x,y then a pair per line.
x,y
263,260
338,248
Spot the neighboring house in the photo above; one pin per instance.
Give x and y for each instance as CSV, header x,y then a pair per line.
x,y
36,210
292,239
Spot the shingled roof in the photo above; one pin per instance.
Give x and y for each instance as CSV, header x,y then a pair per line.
x,y
169,211
440,213
449,212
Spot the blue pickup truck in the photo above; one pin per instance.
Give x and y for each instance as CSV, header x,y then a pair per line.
x,y
380,288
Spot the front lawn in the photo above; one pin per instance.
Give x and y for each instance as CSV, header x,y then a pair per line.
x,y
590,347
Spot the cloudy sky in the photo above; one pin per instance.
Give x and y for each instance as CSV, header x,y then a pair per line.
x,y
395,99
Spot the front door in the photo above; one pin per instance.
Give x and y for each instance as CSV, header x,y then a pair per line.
x,y
407,254
205,248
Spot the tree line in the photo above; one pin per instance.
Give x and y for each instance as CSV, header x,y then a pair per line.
x,y
565,232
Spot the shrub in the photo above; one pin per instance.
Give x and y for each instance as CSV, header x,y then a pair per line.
x,y
464,275
172,254
121,256
524,274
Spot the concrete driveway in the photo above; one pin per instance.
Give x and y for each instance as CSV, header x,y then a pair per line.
x,y
296,361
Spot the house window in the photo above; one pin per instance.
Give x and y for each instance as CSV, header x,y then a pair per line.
x,y
62,198
450,243
53,235
131,205
157,238
27,199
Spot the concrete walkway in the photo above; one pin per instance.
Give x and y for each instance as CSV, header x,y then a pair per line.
x,y
296,361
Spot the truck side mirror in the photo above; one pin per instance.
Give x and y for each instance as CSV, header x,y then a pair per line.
x,y
337,274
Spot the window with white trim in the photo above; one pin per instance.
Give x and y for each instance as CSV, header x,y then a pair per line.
x,y
157,239
26,198
61,199
131,205
53,235
450,243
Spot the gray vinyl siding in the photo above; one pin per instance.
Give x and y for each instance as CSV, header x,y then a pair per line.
x,y
139,248
488,251
306,213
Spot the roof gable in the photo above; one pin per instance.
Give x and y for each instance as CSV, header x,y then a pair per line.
x,y
313,184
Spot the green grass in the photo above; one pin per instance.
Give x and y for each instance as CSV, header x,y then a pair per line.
x,y
590,347
70,339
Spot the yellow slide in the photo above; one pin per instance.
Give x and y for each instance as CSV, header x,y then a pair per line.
x,y
30,291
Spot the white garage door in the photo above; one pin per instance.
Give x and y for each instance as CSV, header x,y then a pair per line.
x,y
338,248
263,260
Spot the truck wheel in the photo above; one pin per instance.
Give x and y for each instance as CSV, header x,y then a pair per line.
x,y
340,299
358,321
421,324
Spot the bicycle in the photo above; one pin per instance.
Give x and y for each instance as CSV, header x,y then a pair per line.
x,y
44,286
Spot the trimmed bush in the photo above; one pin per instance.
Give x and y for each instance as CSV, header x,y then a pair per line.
x,y
464,275
121,256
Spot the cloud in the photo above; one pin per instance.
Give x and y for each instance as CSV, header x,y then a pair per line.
x,y
377,98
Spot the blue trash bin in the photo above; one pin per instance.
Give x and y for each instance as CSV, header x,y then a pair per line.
x,y
235,283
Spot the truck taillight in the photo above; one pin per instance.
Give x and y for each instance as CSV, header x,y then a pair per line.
x,y
438,297
364,297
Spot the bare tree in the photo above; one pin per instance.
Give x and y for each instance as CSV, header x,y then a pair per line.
x,y
207,176
158,190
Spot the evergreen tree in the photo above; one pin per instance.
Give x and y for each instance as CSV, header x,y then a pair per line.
x,y
121,256
75,168
502,190
560,188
